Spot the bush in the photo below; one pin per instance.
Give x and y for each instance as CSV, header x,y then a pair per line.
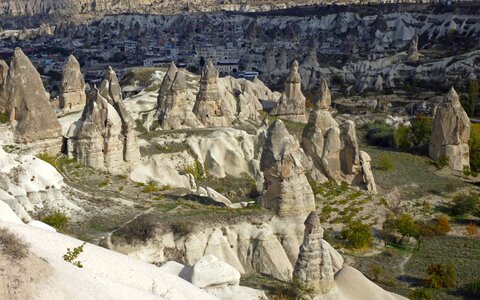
x,y
357,234
151,187
474,145
441,276
58,220
196,170
72,255
464,204
3,118
381,134
421,294
385,162
442,225
181,228
12,245
472,230
441,162
406,226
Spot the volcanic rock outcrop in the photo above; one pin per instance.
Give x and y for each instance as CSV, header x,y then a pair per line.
x,y
104,137
324,99
334,150
27,103
208,106
72,88
174,111
3,81
314,266
291,105
110,90
451,132
413,54
284,165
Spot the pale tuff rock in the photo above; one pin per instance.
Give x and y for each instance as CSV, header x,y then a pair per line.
x,y
291,105
97,140
27,103
451,132
111,91
324,99
368,178
174,110
334,151
314,267
378,85
215,277
284,164
3,81
72,88
311,60
29,186
413,54
208,106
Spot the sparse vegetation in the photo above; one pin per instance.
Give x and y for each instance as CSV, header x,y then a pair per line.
x,y
464,204
441,162
385,162
441,276
12,246
150,187
58,220
196,170
181,228
442,225
72,255
474,145
357,234
406,226
3,118
472,230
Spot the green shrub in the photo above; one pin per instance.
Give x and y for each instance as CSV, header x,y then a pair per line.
x,y
72,255
406,226
357,234
403,137
58,220
441,276
196,170
464,204
421,294
385,162
150,187
104,183
442,225
3,118
474,145
181,228
381,134
421,130
441,162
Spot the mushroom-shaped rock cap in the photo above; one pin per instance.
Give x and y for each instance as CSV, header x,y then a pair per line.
x,y
294,75
452,96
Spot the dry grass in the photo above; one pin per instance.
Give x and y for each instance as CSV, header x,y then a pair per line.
x,y
12,245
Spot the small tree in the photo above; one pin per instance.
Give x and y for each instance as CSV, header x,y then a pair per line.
x,y
406,226
474,147
441,276
472,230
442,225
472,96
466,204
357,234
72,255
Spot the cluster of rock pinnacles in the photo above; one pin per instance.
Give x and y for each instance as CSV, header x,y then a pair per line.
x,y
104,138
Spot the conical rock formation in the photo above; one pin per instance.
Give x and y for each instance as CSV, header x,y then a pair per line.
x,y
72,88
27,103
451,132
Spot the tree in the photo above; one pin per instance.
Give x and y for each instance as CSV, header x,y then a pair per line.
x,y
442,225
472,230
406,226
474,145
357,234
472,96
441,276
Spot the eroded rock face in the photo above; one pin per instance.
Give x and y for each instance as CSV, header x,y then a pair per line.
x,y
208,106
314,266
284,165
27,103
174,110
3,81
72,89
451,132
111,91
334,152
324,99
413,54
97,139
291,105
